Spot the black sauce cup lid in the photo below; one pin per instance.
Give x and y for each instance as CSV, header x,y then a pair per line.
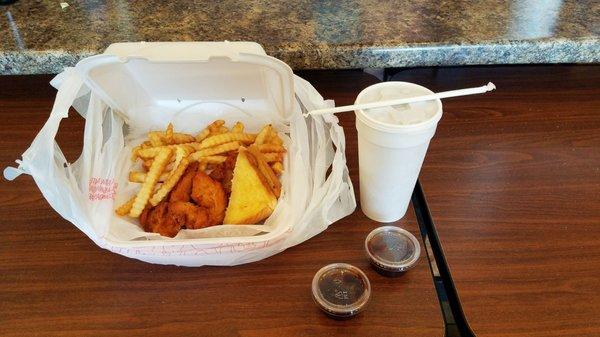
x,y
341,290
392,248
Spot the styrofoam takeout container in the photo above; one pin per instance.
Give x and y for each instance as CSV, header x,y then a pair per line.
x,y
136,87
190,85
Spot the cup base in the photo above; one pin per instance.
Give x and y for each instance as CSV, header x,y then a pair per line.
x,y
383,219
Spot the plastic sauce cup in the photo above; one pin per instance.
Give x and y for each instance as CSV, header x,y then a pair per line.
x,y
341,290
392,250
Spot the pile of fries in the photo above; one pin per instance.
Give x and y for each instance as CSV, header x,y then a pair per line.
x,y
166,154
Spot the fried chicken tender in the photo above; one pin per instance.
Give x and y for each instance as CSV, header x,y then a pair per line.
x,y
189,215
230,161
218,173
158,220
209,194
223,173
181,191
167,218
144,217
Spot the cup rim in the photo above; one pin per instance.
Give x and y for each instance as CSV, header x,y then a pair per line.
x,y
383,126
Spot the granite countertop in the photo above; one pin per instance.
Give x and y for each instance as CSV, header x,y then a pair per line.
x,y
44,36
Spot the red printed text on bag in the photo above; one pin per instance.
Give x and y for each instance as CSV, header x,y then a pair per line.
x,y
102,189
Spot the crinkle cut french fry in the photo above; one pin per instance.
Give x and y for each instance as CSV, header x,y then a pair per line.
x,y
168,137
137,177
271,148
266,170
140,177
153,151
180,153
213,159
126,207
277,167
188,147
238,127
263,134
182,138
156,169
168,185
194,146
202,135
160,138
155,138
146,164
273,157
272,133
215,127
275,139
211,151
146,150
226,138
134,152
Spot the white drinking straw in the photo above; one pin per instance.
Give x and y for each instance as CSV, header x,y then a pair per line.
x,y
452,93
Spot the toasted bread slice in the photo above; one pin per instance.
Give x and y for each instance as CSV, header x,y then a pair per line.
x,y
252,198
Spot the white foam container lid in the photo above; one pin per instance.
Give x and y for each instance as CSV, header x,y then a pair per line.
x,y
143,79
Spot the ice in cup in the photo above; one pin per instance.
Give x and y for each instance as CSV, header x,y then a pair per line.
x,y
392,143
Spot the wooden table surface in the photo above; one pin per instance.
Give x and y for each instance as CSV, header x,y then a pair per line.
x,y
512,179
55,281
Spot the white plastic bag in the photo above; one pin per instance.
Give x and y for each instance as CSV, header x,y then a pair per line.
x,y
87,191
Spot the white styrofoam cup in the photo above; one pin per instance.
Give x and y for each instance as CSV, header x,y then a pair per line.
x,y
391,154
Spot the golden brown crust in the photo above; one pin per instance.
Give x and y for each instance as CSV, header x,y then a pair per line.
x,y
181,191
189,215
160,221
209,194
